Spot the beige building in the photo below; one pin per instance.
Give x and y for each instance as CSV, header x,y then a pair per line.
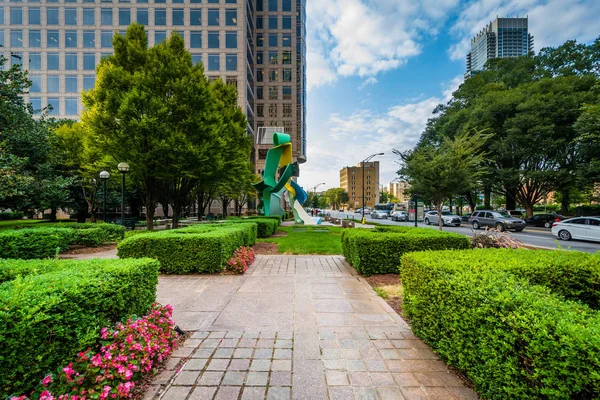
x,y
398,189
351,180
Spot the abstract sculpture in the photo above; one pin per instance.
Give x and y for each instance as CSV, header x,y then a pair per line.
x,y
271,189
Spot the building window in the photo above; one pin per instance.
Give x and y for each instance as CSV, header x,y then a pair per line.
x,y
70,16
273,57
195,17
260,92
287,92
213,1
71,105
52,39
273,5
35,38
53,106
106,39
260,23
232,81
196,40
286,58
89,16
160,16
214,62
286,5
88,82
36,105
71,84
53,84
16,16
142,16
16,38
260,40
273,75
89,39
1,37
89,61
231,40
287,110
272,110
286,23
273,22
273,93
259,57
213,17
52,16
178,17
197,59
71,39
36,83
124,16
71,61
34,16
106,16
231,17
286,40
260,110
260,75
273,42
259,5
230,1
231,62
213,40
159,36
287,74
35,61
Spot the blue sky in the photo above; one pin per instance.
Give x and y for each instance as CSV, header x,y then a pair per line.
x,y
377,69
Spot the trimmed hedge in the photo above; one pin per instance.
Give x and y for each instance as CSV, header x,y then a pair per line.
x,y
50,310
8,215
265,227
202,248
379,250
486,312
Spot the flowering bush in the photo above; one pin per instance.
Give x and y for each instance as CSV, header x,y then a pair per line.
x,y
128,352
241,260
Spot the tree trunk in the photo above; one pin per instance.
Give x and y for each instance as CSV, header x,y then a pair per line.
x,y
200,205
176,214
565,201
487,198
165,207
529,209
225,203
471,200
511,198
150,217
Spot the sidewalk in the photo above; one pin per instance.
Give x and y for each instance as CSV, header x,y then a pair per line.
x,y
295,327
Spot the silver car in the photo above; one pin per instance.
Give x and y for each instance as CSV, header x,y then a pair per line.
x,y
500,220
399,216
377,214
447,218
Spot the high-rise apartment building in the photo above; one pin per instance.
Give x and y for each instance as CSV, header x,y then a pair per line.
x,y
256,45
351,180
398,190
501,38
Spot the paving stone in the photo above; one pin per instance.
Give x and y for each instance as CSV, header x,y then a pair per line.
x,y
200,335
268,334
233,378
309,380
409,354
257,378
218,364
254,393
151,392
164,377
195,364
247,343
260,365
336,378
210,378
285,335
281,365
217,335
177,392
402,344
406,379
390,393
240,364
282,354
382,379
281,378
332,354
383,344
390,354
186,378
183,352
243,353
463,393
278,393
376,365
350,354
203,393
329,344
229,343
283,344
173,363
265,343
203,353
251,335
223,353
365,393
355,365
334,364
340,393
233,335
360,379
210,343
192,343
228,393
263,354
370,354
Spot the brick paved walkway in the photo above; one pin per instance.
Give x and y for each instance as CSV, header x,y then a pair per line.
x,y
295,327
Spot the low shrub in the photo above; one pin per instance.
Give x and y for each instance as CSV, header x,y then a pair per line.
x,y
265,227
241,260
379,250
130,352
204,248
501,317
34,243
8,215
53,309
494,239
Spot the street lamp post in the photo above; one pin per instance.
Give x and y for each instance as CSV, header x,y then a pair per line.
x,y
416,201
314,189
363,182
123,169
104,175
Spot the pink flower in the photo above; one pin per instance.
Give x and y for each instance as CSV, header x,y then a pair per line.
x,y
47,380
46,395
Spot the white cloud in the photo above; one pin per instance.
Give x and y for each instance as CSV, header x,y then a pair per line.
x,y
366,37
551,22
348,139
369,81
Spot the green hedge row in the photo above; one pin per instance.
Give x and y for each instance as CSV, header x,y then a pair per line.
x,y
202,248
486,312
8,215
379,250
45,242
265,226
52,309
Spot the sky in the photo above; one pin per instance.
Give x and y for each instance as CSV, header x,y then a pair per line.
x,y
376,69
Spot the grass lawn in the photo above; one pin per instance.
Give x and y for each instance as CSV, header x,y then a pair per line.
x,y
308,240
11,224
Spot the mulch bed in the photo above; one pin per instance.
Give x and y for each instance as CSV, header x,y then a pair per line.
x,y
266,248
77,249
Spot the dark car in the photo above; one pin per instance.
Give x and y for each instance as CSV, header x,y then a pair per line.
x,y
545,220
500,220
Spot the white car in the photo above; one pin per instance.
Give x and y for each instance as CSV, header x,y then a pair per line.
x,y
448,218
582,228
377,214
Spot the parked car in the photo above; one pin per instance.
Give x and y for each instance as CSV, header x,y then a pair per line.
x,y
500,220
583,228
516,213
465,217
378,214
545,220
447,218
399,216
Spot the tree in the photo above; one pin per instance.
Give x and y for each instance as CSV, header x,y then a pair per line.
x,y
153,108
440,172
336,197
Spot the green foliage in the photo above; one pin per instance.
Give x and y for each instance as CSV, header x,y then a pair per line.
x,y
266,227
379,251
53,309
4,216
335,197
501,317
308,240
203,248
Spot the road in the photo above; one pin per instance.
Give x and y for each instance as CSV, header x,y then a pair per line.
x,y
539,237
